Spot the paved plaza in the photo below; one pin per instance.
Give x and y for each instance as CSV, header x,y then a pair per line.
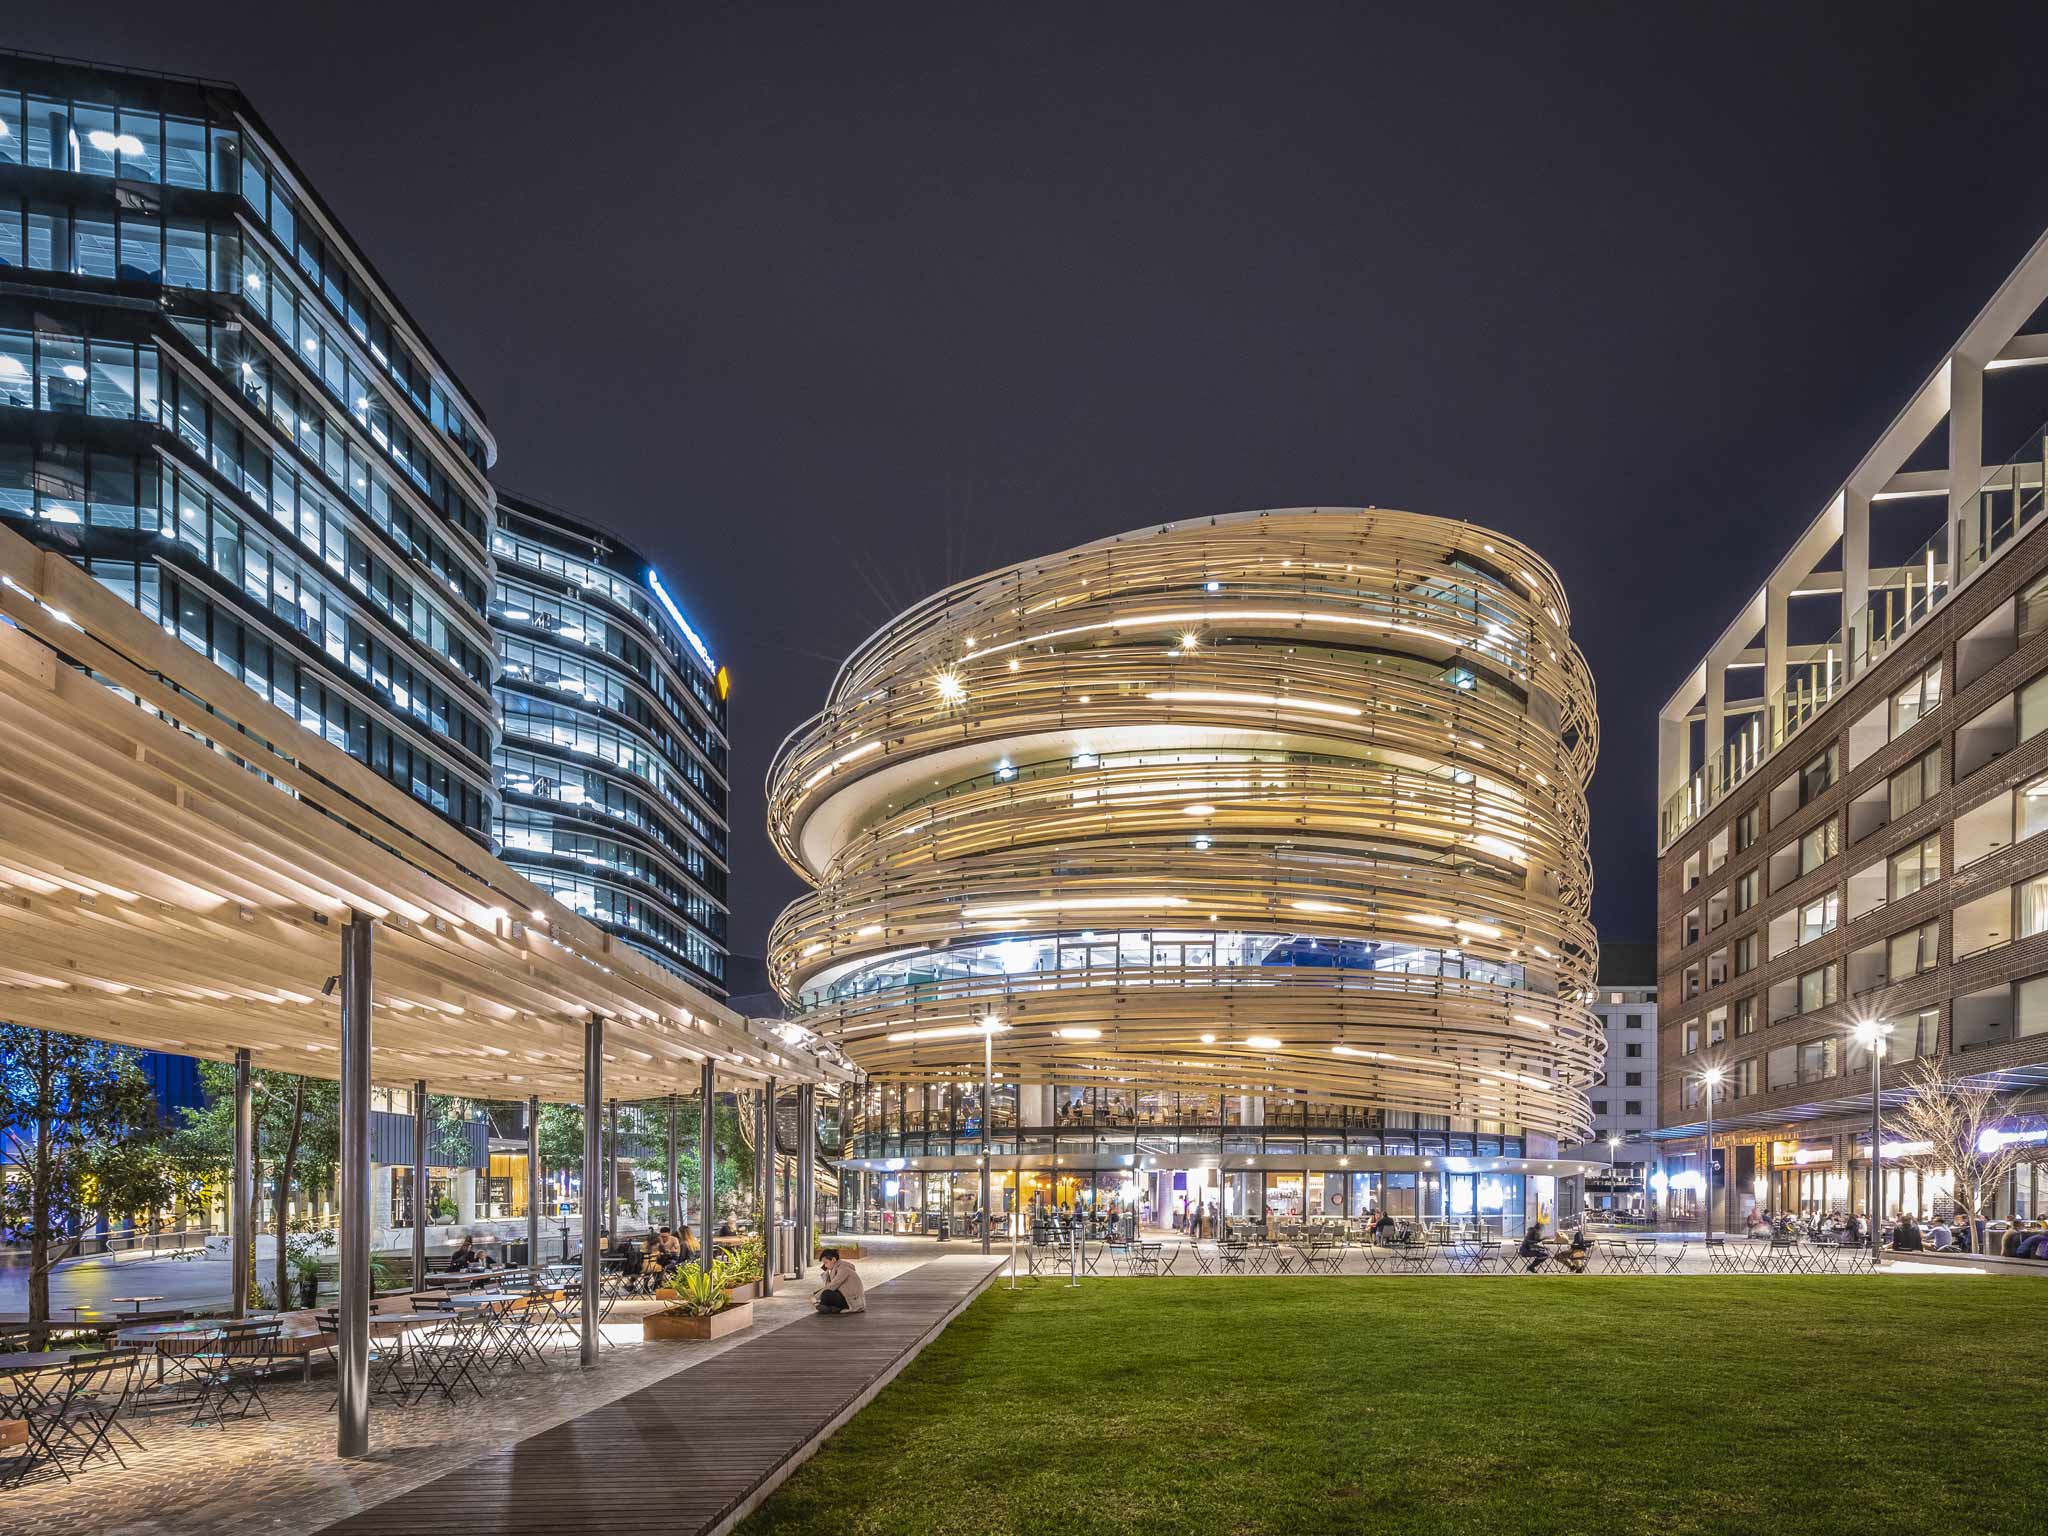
x,y
282,1475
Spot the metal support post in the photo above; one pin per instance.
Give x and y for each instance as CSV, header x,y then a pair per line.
x,y
807,1172
419,1182
352,1351
593,1169
611,1169
707,1157
675,1183
988,1124
533,1183
242,1195
767,1150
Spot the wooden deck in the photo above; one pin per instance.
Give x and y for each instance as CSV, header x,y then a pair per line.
x,y
698,1450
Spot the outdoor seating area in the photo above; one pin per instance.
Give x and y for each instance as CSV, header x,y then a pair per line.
x,y
91,1396
1416,1251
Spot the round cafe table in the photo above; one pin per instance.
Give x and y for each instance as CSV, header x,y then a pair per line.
x,y
134,1301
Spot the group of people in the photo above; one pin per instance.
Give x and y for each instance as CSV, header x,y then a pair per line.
x,y
666,1252
1574,1256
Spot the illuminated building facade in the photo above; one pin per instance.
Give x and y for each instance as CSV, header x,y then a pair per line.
x,y
1237,861
613,764
211,401
1854,790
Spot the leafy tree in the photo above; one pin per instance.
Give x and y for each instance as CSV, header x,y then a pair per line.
x,y
298,1131
79,1119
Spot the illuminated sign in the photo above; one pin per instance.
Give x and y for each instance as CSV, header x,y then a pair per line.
x,y
669,607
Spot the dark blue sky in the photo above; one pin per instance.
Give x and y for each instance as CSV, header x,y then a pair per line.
x,y
827,305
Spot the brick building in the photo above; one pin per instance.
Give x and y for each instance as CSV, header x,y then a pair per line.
x,y
1854,779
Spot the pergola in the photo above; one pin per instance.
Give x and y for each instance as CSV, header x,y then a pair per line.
x,y
185,867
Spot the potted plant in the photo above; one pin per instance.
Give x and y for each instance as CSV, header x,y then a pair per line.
x,y
302,1254
739,1270
701,1310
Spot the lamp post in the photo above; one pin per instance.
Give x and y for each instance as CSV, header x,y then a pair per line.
x,y
1870,1034
1613,1141
1711,1077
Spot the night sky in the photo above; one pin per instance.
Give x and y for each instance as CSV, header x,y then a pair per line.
x,y
827,306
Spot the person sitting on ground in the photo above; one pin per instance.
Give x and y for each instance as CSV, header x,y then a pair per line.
x,y
465,1257
1532,1248
843,1291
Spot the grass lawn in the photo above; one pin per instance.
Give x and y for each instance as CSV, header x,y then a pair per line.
x,y
1740,1404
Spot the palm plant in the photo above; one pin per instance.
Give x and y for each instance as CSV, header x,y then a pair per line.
x,y
699,1292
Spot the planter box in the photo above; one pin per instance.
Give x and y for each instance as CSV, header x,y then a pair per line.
x,y
672,1326
748,1292
846,1250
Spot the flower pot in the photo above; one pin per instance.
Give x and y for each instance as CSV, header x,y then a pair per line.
x,y
672,1326
309,1291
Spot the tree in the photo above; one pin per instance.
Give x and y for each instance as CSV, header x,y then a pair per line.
x,y
298,1126
1951,1125
79,1118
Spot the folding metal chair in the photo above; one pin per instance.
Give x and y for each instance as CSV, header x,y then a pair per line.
x,y
241,1354
443,1360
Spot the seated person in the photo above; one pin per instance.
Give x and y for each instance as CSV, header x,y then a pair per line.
x,y
1580,1253
465,1257
1906,1237
1939,1237
843,1291
1532,1248
724,1228
686,1246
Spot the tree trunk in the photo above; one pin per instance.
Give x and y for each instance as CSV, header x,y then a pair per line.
x,y
281,1194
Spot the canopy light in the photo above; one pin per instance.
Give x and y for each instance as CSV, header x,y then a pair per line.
x,y
1079,1032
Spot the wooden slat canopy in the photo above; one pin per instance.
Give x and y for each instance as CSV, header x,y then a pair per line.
x,y
177,858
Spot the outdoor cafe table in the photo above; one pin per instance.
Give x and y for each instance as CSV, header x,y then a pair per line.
x,y
134,1301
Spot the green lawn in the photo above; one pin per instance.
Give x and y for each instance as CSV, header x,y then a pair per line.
x,y
1749,1404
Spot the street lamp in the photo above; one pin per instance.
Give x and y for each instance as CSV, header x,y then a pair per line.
x,y
1712,1077
1870,1034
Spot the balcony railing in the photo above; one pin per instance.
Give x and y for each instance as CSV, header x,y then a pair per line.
x,y
2007,505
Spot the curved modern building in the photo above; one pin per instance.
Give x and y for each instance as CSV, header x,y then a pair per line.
x,y
1240,860
612,768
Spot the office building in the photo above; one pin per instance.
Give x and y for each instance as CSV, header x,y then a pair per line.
x,y
1853,780
613,766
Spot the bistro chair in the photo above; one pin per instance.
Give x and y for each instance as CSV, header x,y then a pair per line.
x,y
387,1362
239,1355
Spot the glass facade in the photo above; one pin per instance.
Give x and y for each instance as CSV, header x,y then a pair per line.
x,y
612,770
211,403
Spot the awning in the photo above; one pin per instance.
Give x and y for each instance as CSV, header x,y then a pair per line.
x,y
178,857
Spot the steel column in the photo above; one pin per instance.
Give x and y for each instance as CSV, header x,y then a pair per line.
x,y
767,1150
611,1169
419,1181
533,1183
593,1168
675,1204
988,1124
242,1194
352,1352
807,1172
707,1156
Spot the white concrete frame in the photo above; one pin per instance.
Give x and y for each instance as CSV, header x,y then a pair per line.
x,y
1954,392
